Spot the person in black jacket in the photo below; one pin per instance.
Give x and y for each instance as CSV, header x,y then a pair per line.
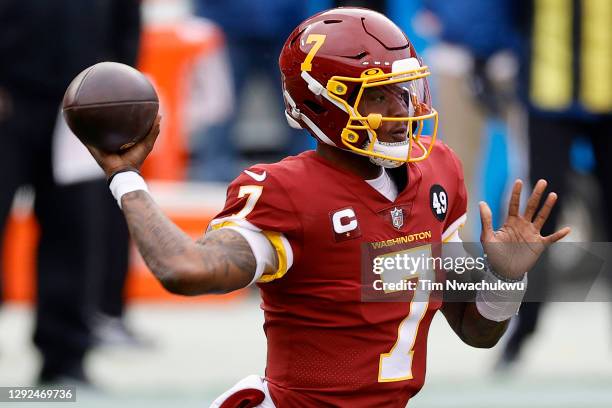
x,y
43,45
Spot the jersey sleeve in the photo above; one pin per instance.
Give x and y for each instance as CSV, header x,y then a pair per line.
x,y
256,201
458,210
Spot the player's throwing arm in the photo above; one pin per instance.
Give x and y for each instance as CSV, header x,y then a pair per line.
x,y
112,108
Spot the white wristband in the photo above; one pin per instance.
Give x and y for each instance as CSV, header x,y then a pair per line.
x,y
502,302
126,182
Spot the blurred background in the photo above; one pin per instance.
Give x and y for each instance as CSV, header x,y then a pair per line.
x,y
523,87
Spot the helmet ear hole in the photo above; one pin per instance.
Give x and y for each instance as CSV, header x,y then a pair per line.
x,y
314,107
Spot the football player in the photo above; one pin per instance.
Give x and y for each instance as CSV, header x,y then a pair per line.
x,y
300,229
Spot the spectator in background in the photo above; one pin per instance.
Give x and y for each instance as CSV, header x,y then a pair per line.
x,y
254,33
43,45
566,84
475,88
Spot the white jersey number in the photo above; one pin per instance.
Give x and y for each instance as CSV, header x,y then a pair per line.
x,y
396,365
253,193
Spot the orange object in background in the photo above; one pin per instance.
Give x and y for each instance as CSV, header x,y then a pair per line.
x,y
190,207
168,55
19,257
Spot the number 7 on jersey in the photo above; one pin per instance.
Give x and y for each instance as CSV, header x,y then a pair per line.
x,y
253,193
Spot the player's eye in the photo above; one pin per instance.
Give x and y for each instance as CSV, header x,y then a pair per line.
x,y
376,96
380,99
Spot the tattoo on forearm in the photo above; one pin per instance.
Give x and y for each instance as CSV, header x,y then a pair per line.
x,y
223,260
229,257
156,237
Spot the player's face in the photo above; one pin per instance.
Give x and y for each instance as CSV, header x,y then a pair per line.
x,y
401,100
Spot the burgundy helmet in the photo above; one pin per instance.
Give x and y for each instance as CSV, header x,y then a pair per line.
x,y
327,64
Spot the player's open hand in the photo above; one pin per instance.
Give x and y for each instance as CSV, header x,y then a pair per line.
x,y
516,246
133,157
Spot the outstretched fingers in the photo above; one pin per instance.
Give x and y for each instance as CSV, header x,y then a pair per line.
x,y
556,236
534,199
544,212
515,199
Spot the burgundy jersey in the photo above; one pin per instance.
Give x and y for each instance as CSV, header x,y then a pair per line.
x,y
327,346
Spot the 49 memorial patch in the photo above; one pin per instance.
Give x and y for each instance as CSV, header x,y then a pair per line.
x,y
438,201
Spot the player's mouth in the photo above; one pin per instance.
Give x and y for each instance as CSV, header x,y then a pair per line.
x,y
398,134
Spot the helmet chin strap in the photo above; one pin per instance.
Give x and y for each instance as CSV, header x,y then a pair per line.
x,y
399,149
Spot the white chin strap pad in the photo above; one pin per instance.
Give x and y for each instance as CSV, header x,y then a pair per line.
x,y
388,164
389,149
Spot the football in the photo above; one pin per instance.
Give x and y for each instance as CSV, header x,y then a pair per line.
x,y
110,106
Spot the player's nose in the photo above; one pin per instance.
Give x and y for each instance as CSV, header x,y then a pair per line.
x,y
395,132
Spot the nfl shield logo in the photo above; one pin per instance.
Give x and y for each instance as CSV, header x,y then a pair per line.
x,y
397,217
